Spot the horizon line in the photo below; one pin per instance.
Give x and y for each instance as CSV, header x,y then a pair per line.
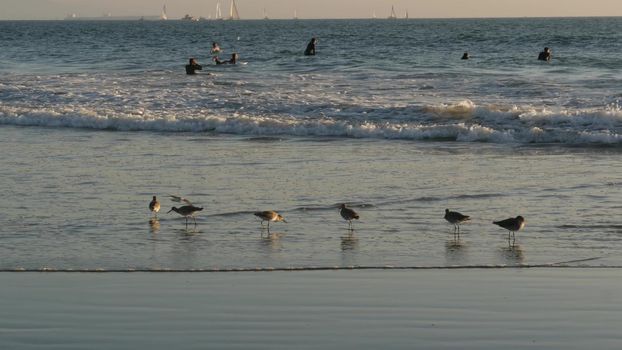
x,y
156,18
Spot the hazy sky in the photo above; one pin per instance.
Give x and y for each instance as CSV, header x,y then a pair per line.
x,y
57,9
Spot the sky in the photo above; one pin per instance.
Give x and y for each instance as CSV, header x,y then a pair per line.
x,y
249,9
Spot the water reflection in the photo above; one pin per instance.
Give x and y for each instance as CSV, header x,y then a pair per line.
x,y
154,225
456,252
512,254
272,241
349,242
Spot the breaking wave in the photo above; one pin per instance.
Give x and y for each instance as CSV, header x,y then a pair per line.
x,y
463,122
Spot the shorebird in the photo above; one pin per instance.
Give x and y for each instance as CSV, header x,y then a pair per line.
x,y
179,199
512,225
456,219
348,215
154,206
269,216
187,211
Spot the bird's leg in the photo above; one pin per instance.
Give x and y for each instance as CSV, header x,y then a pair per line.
x,y
195,221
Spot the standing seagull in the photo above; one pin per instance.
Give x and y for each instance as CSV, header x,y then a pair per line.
x,y
348,215
512,225
187,211
456,219
269,216
154,206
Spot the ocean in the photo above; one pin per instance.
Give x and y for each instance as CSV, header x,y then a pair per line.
x,y
96,117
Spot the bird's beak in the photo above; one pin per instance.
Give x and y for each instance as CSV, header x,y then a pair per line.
x,y
285,221
169,211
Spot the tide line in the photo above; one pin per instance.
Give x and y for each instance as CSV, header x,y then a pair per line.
x,y
564,265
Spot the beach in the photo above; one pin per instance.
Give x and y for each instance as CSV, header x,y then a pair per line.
x,y
385,119
422,309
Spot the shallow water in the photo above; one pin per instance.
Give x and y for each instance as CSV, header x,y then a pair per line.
x,y
77,199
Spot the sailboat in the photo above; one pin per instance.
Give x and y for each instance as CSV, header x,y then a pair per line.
x,y
406,15
233,11
374,15
218,11
163,16
393,15
295,14
265,15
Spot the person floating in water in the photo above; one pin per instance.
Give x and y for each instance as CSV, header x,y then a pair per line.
x,y
233,60
310,51
465,56
545,55
215,49
192,67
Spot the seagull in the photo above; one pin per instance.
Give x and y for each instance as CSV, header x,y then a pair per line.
x,y
456,219
512,225
187,211
348,215
269,216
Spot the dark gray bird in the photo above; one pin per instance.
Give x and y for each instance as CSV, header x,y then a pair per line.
x,y
348,215
456,219
187,211
512,225
269,216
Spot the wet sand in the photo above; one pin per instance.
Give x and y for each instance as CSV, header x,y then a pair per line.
x,y
544,308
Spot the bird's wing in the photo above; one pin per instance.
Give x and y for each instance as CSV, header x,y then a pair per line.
x,y
179,199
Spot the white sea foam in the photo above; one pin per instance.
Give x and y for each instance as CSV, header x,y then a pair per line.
x,y
484,125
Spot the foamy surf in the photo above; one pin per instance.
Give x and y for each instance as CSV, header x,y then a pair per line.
x,y
463,122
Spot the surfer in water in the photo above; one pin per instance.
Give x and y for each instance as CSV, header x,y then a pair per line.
x,y
192,67
545,55
215,49
465,56
310,51
233,60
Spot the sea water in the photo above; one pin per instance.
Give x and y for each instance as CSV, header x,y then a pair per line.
x,y
97,117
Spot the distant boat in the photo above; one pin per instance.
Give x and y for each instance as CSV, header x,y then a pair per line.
x,y
189,18
406,15
265,15
71,16
393,15
233,11
218,11
295,14
163,16
374,15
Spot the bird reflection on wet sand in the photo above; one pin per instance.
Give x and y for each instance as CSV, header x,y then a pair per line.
x,y
455,251
349,242
154,225
272,240
512,255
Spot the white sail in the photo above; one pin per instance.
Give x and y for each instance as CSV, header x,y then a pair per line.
x,y
218,11
374,15
406,15
265,14
393,15
163,16
295,14
233,11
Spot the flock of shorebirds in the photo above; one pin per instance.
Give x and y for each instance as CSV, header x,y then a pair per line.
x,y
453,217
